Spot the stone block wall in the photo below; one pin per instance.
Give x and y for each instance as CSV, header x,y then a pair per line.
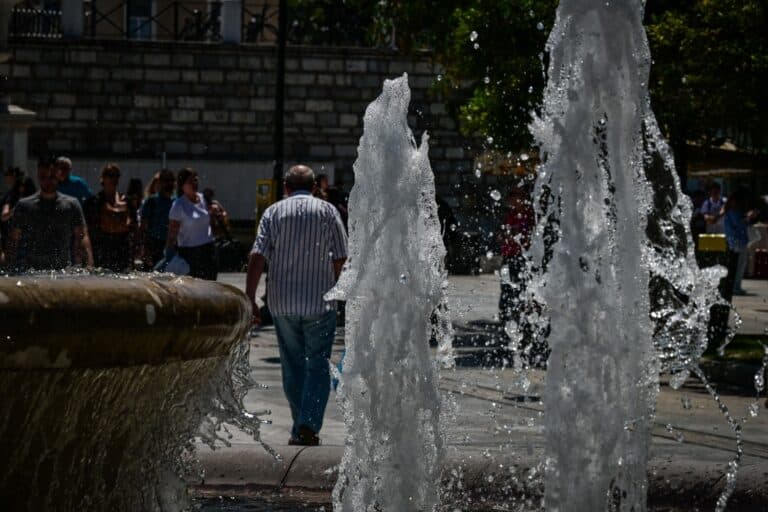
x,y
129,99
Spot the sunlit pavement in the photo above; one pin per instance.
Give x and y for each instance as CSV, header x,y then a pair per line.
x,y
497,422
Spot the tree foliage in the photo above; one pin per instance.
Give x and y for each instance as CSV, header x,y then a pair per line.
x,y
709,71
492,55
707,79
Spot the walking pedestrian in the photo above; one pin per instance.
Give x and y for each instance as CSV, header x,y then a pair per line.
x,y
321,187
153,186
189,228
18,186
303,240
48,230
219,216
735,222
153,225
70,184
713,210
514,238
134,193
112,223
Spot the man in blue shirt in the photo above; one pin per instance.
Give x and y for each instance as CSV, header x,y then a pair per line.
x,y
153,227
69,184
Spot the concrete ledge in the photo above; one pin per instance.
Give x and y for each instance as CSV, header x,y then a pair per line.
x,y
471,475
89,321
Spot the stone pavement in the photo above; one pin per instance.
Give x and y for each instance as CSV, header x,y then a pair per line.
x,y
495,439
753,307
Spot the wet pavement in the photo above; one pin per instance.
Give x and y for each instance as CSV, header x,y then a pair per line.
x,y
498,415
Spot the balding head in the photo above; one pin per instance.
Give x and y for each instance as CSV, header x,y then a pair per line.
x,y
300,177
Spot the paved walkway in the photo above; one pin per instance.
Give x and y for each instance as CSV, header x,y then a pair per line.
x,y
498,424
753,307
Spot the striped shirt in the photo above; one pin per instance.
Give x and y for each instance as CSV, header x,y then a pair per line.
x,y
300,237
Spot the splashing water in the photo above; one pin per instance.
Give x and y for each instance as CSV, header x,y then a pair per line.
x,y
393,283
611,260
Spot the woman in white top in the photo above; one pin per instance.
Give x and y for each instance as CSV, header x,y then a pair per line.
x,y
189,228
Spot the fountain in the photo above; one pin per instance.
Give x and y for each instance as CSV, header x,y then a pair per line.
x,y
612,220
105,382
393,282
107,379
612,265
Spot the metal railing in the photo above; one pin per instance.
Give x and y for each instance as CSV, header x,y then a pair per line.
x,y
35,23
328,23
177,21
257,24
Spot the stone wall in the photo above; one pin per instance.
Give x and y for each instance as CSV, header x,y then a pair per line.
x,y
193,101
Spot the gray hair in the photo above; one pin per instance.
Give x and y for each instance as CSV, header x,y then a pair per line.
x,y
63,161
300,177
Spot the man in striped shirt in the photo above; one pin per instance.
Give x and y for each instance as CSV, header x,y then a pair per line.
x,y
304,241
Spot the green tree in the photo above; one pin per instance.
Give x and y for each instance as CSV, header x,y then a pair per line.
x,y
709,72
707,79
492,52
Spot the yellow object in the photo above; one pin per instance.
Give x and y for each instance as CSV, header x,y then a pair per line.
x,y
266,195
712,243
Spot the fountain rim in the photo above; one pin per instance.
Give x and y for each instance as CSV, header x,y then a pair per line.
x,y
58,321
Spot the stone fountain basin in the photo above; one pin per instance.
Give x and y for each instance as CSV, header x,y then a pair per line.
x,y
107,321
104,381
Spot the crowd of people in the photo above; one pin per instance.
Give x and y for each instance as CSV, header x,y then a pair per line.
x,y
731,216
64,223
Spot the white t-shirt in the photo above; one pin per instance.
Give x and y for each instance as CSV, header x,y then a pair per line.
x,y
194,219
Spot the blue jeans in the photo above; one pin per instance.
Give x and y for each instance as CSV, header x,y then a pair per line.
x,y
305,349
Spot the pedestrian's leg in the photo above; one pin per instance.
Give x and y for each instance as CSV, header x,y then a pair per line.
x,y
741,267
290,339
210,270
319,332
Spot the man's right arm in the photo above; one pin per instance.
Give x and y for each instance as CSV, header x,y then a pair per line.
x,y
256,263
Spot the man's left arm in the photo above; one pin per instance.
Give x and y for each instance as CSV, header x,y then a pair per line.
x,y
83,249
82,242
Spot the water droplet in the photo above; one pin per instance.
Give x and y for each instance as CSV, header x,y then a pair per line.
x,y
677,380
473,36
489,254
539,26
476,46
478,173
760,380
487,80
686,401
495,195
754,409
524,157
403,278
489,140
151,314
439,78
